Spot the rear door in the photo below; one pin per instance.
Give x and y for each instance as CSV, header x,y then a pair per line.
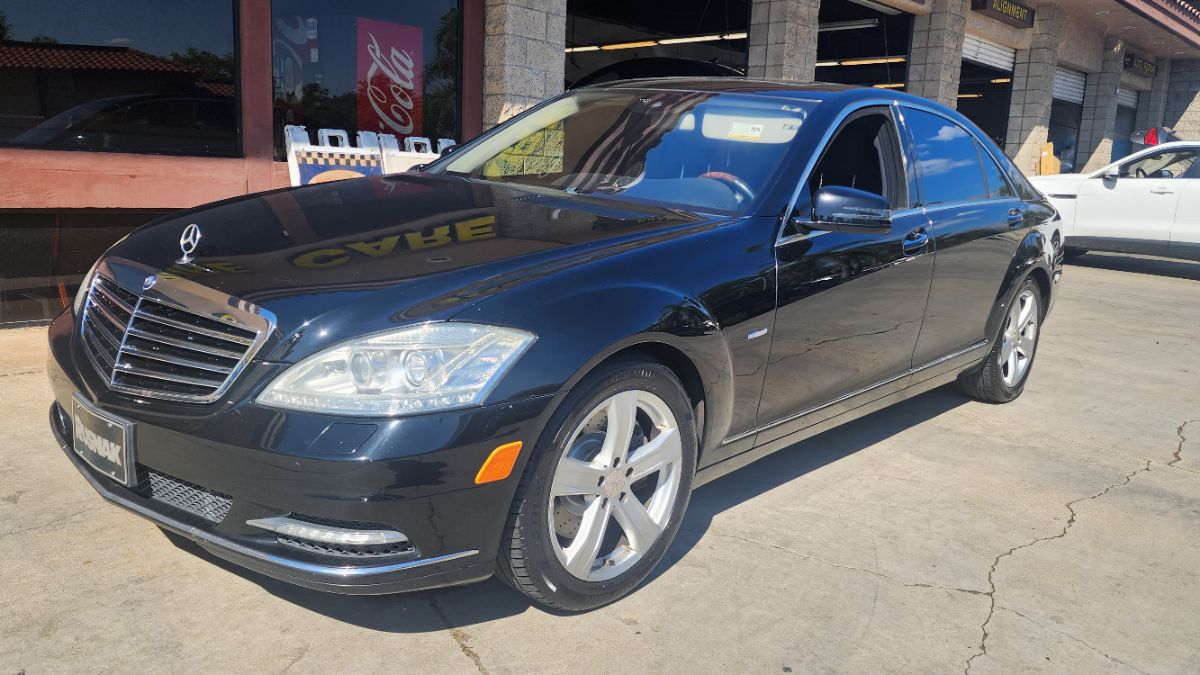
x,y
1185,231
1134,212
977,221
850,305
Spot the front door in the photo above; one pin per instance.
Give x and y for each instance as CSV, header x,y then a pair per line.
x,y
850,305
1134,211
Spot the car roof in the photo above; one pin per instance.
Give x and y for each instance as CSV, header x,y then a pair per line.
x,y
810,91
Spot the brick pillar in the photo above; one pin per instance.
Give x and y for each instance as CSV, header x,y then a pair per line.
x,y
1033,89
935,60
522,55
1152,105
1183,99
1100,108
783,39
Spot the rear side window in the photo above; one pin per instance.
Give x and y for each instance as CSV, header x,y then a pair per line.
x,y
947,161
997,185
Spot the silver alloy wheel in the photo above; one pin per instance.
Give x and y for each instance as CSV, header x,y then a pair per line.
x,y
1019,338
622,464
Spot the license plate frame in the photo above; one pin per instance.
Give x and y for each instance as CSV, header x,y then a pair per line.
x,y
104,441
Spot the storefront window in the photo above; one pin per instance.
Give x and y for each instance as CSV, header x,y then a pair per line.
x,y
46,253
370,65
1064,132
139,76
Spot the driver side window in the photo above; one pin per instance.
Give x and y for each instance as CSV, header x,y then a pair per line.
x,y
1168,164
865,155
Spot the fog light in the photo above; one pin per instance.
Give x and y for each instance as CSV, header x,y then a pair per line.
x,y
328,534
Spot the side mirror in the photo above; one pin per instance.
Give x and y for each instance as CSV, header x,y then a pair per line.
x,y
844,209
1112,172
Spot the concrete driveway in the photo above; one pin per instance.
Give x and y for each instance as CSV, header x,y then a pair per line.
x,y
1060,533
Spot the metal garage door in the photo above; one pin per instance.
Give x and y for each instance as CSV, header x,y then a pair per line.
x,y
1069,85
1127,98
989,53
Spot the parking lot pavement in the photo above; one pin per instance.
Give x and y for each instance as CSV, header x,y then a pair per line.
x,y
1058,533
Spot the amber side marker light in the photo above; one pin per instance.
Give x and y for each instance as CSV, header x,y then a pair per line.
x,y
499,464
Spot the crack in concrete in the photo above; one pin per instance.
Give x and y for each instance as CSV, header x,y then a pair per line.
x,y
15,373
459,636
52,522
981,649
1072,637
1178,454
830,563
296,659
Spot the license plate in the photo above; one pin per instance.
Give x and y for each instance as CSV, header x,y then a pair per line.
x,y
104,441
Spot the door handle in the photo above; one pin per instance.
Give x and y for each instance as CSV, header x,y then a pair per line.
x,y
915,241
1162,191
1015,217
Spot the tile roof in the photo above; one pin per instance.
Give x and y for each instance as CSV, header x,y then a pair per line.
x,y
82,57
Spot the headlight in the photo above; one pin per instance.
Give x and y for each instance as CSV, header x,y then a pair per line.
x,y
81,294
424,368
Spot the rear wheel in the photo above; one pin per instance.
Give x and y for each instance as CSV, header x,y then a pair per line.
x,y
1002,376
604,495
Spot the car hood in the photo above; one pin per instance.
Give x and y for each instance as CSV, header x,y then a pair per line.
x,y
1063,183
380,251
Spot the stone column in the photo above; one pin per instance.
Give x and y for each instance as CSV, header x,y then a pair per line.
x,y
935,61
783,39
1100,108
1152,106
1183,99
523,55
1033,89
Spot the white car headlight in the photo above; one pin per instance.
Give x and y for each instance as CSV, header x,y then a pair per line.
x,y
425,368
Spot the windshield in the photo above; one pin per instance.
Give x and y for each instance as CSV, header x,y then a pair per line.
x,y
700,150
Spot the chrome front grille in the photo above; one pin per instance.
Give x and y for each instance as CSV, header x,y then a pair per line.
x,y
149,347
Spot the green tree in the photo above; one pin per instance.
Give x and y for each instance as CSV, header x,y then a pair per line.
x,y
4,29
211,67
440,111
43,40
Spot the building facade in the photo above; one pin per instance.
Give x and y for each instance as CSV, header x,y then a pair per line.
x,y
114,113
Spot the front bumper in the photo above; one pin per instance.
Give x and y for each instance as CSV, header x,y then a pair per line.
x,y
414,475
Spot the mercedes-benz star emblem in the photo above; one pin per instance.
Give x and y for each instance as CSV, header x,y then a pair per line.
x,y
188,242
150,280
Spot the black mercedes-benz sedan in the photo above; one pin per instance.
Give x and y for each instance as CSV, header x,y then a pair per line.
x,y
522,359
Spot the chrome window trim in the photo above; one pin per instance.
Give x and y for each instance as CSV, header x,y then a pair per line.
x,y
187,296
856,392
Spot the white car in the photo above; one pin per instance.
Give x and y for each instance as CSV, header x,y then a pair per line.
x,y
1148,202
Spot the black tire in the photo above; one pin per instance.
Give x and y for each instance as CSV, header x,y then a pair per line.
x,y
527,561
986,381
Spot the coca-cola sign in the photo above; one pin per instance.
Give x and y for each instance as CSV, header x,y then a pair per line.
x,y
389,78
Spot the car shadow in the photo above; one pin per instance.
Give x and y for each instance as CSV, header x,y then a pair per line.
x,y
1162,267
447,608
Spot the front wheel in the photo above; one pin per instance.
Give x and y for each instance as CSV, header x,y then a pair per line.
x,y
604,494
1002,376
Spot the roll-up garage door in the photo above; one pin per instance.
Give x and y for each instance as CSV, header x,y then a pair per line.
x,y
1127,98
1069,85
989,53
